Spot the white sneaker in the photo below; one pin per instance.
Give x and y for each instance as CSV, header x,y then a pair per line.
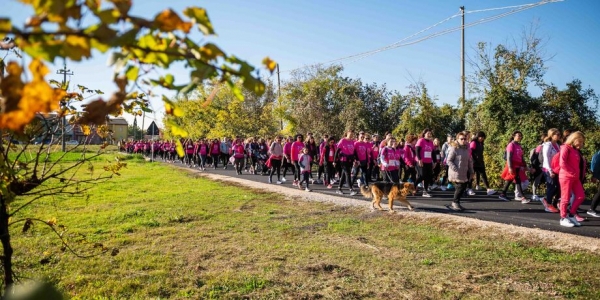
x,y
525,200
352,193
535,198
308,190
278,182
471,192
283,179
426,195
566,222
490,192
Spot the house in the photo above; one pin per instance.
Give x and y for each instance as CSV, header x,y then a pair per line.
x,y
118,128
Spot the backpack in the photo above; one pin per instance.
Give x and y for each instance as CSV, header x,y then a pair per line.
x,y
536,159
555,164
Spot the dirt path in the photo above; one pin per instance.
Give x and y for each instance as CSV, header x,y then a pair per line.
x,y
555,240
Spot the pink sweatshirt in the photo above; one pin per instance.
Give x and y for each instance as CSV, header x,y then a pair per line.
x,y
296,150
409,157
569,162
346,148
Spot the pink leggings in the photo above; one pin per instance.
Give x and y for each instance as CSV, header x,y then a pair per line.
x,y
568,186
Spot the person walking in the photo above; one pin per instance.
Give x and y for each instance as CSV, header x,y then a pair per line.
x,y
551,148
595,168
276,152
345,156
477,146
460,167
571,178
514,169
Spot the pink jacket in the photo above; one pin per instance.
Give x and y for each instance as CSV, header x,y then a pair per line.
x,y
409,157
569,162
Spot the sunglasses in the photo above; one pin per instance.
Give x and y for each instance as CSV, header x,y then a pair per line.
x,y
461,139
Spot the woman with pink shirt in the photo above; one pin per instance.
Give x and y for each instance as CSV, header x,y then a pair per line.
x,y
390,161
424,153
239,153
514,170
295,152
363,153
287,158
571,178
345,156
409,158
202,154
328,161
215,152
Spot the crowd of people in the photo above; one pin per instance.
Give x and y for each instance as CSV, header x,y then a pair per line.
x,y
456,164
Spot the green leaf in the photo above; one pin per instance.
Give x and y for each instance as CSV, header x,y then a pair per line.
x,y
132,73
203,71
108,16
254,85
236,91
200,17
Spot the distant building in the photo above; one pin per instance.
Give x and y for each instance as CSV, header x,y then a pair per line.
x,y
118,128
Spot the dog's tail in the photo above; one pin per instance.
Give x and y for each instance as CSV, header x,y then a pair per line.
x,y
366,191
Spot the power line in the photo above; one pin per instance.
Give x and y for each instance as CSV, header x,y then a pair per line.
x,y
359,56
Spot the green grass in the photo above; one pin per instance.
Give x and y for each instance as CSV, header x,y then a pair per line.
x,y
182,237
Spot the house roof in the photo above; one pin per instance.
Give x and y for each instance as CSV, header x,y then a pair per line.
x,y
117,121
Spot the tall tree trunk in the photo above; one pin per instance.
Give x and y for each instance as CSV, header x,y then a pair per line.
x,y
6,246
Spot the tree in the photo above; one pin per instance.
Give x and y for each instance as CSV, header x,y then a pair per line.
x,y
57,31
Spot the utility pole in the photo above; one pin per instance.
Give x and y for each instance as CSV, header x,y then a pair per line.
x,y
64,71
462,57
279,97
143,119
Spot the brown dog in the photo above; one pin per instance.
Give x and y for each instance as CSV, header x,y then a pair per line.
x,y
394,191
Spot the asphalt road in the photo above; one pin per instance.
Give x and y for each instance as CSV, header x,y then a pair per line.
x,y
480,206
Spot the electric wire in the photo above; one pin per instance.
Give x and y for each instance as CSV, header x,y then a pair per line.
x,y
359,56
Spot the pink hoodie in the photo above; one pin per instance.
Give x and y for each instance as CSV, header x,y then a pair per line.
x,y
569,162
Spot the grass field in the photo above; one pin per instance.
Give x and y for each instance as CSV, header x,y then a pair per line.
x,y
180,236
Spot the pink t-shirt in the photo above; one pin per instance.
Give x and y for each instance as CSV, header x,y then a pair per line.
x,y
346,148
426,150
516,152
296,150
362,150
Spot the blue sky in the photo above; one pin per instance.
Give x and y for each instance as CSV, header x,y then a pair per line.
x,y
300,33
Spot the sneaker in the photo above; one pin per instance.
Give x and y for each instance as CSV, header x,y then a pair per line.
x,y
503,197
295,183
283,179
456,207
420,185
426,195
308,190
352,192
434,186
450,187
535,198
551,209
278,182
478,188
574,221
593,213
525,200
544,202
329,186
490,192
443,188
270,180
579,218
520,198
339,192
566,222
470,192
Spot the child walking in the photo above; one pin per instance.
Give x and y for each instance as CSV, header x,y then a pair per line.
x,y
304,161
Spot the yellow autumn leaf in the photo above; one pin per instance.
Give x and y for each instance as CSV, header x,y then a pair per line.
x,y
86,130
51,222
178,131
168,21
269,63
179,148
200,17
